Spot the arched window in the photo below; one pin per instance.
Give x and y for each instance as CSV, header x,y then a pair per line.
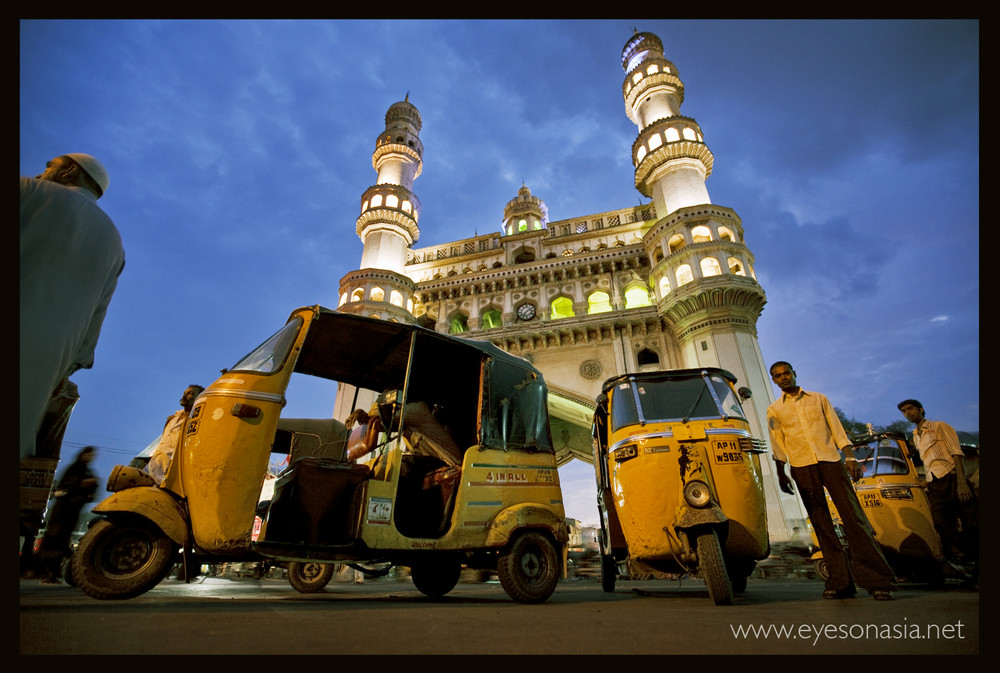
x,y
701,234
522,225
672,135
640,153
675,243
491,318
655,141
407,206
396,298
636,296
358,295
376,200
343,299
524,256
652,69
710,267
458,324
726,234
684,275
599,302
736,267
364,206
647,357
392,201
664,286
377,294
562,307
689,133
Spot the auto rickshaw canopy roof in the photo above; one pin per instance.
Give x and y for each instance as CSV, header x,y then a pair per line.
x,y
666,375
376,355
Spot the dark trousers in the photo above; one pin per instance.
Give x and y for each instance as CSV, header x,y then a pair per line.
x,y
864,561
948,511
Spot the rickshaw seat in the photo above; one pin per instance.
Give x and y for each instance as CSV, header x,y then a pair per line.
x,y
315,438
313,502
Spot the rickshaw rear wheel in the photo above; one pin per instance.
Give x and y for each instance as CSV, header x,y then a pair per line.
x,y
436,577
529,569
713,568
609,572
309,577
122,559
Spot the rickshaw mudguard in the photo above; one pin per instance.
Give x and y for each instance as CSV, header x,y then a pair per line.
x,y
152,503
525,515
690,517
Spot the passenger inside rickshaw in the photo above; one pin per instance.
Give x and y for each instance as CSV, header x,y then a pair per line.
x,y
432,459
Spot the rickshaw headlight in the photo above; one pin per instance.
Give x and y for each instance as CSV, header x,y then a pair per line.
x,y
897,493
625,452
696,494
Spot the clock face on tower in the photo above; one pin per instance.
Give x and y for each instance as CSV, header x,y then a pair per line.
x,y
526,311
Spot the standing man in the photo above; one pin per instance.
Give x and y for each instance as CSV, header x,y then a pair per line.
x,y
71,257
951,497
806,433
171,437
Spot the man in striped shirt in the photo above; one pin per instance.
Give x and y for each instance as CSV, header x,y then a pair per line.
x,y
953,503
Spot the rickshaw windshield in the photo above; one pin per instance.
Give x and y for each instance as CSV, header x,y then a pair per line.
x,y
270,355
881,457
672,399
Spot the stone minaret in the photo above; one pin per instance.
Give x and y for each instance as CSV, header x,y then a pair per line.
x,y
388,222
701,269
387,226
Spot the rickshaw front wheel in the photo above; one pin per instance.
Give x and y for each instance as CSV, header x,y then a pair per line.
x,y
437,577
713,568
122,559
310,577
529,569
822,571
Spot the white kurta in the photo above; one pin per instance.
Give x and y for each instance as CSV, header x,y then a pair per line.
x,y
71,257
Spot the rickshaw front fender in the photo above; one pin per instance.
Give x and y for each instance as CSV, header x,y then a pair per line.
x,y
525,515
152,503
690,517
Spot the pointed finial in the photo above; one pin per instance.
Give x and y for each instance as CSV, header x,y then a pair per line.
x,y
407,99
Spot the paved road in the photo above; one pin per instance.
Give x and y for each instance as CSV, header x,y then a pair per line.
x,y
224,616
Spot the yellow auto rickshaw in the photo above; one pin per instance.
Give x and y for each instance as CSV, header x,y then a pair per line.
x,y
460,469
679,485
896,506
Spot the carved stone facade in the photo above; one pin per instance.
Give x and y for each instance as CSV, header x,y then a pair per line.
x,y
668,284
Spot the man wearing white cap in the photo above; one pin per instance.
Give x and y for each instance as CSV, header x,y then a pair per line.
x,y
71,257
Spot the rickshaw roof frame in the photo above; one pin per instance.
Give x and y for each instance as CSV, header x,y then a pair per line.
x,y
383,349
662,374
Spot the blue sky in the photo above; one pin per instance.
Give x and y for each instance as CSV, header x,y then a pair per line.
x,y
238,152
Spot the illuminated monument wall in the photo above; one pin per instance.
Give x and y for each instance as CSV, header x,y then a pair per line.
x,y
664,285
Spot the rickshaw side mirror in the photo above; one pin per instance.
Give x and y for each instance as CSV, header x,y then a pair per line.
x,y
744,393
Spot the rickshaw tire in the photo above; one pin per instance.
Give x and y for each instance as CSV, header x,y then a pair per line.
x,y
713,568
122,559
822,571
437,577
529,569
308,577
609,573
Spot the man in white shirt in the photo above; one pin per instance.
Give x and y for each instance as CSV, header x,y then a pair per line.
x,y
806,433
171,437
951,497
71,257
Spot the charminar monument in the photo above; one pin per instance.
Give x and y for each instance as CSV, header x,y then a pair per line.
x,y
664,285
